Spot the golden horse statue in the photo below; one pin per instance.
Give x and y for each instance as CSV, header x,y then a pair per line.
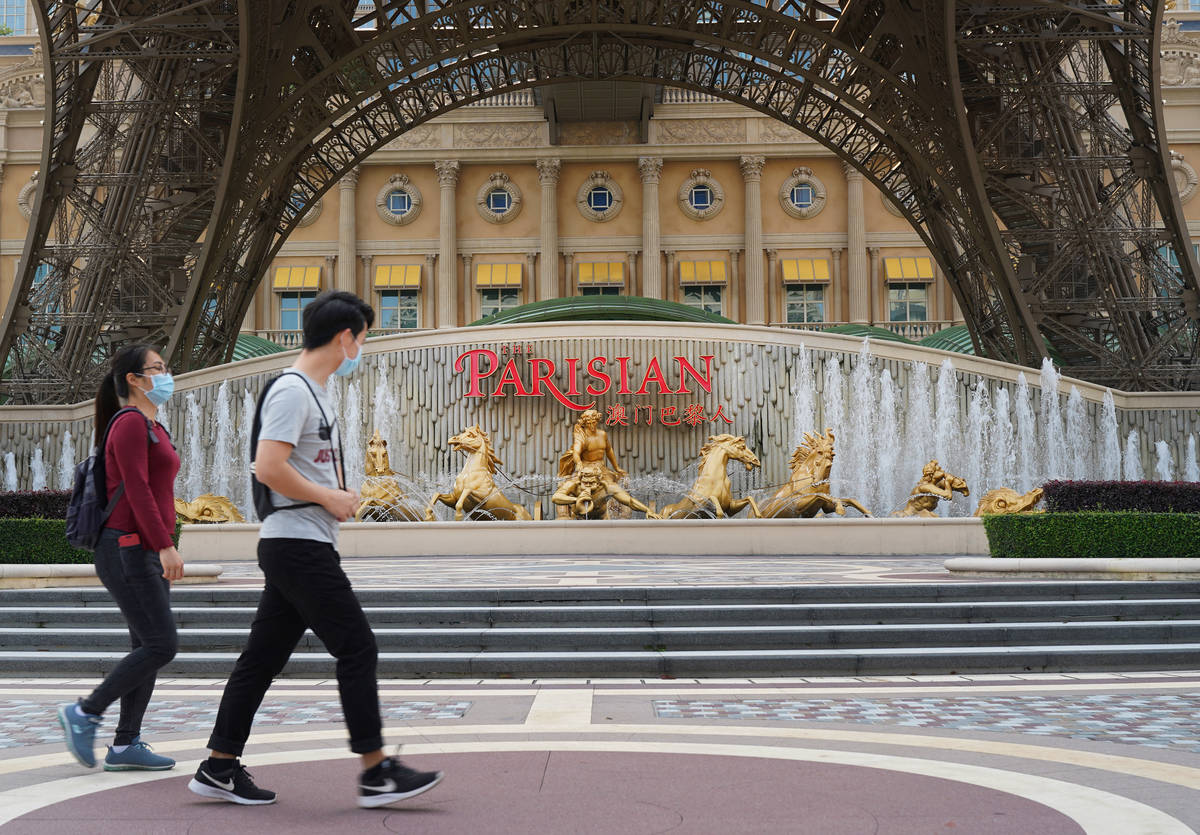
x,y
475,489
807,492
382,498
935,484
1007,500
207,508
711,493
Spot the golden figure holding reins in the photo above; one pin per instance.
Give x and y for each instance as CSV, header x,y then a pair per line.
x,y
382,498
807,492
935,484
588,483
711,494
475,490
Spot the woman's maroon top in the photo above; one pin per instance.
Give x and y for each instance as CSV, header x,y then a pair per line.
x,y
148,505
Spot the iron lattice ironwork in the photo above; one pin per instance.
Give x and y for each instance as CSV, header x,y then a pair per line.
x,y
185,140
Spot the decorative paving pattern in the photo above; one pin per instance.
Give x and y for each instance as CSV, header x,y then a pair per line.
x,y
514,572
26,722
1153,720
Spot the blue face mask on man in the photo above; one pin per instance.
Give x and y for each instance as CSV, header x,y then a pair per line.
x,y
349,364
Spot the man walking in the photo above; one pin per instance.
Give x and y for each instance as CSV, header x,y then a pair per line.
x,y
297,457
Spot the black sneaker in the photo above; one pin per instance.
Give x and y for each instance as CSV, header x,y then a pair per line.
x,y
390,781
233,785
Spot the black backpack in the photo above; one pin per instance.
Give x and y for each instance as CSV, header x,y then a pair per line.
x,y
87,511
263,505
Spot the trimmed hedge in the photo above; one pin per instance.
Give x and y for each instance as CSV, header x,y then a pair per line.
x,y
1118,496
1092,534
41,541
44,542
39,504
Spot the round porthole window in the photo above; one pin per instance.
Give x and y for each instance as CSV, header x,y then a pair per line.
x,y
398,202
700,196
499,199
599,197
802,195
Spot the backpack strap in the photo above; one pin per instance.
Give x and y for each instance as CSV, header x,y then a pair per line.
x,y
120,491
256,427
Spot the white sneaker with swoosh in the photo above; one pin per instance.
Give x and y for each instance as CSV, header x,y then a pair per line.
x,y
391,780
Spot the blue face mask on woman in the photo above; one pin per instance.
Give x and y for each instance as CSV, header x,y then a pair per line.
x,y
349,364
163,388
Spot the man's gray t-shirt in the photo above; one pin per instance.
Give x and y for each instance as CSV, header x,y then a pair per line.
x,y
290,414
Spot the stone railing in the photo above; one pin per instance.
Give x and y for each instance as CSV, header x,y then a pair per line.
x,y
676,95
513,98
916,331
292,339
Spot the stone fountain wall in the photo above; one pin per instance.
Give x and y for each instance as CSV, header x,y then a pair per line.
x,y
407,388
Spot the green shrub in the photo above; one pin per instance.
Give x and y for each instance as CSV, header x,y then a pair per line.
x,y
1100,535
43,542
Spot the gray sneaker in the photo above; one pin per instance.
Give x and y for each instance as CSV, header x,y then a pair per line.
x,y
80,732
137,756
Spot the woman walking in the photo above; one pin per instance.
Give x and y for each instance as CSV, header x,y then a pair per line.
x,y
135,557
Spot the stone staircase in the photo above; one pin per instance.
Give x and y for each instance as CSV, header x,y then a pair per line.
x,y
815,630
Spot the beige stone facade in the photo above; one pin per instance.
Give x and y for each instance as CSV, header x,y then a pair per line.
x,y
721,208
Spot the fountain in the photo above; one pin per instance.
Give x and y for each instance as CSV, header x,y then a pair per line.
x,y
66,462
1054,445
834,410
1164,467
1110,441
1191,467
352,440
979,435
804,395
246,499
223,443
1004,454
1079,438
935,485
888,434
193,458
37,471
1028,471
10,472
860,453
1133,458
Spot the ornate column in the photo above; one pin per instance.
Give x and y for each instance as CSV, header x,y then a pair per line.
x,y
670,253
874,251
331,269
773,285
569,266
650,169
756,300
531,261
856,246
367,283
547,283
424,297
447,279
347,232
734,311
631,273
833,304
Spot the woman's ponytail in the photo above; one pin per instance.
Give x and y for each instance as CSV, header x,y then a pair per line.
x,y
107,407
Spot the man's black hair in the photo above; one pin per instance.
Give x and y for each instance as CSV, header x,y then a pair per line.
x,y
331,313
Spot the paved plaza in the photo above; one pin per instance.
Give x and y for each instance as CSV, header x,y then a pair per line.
x,y
1018,753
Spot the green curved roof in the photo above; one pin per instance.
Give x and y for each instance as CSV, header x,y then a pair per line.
x,y
955,338
879,334
249,346
602,308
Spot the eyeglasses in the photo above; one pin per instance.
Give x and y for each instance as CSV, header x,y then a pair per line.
x,y
157,368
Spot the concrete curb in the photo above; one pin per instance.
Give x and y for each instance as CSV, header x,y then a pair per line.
x,y
1134,568
628,537
38,576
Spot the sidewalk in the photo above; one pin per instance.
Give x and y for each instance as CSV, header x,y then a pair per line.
x,y
1023,754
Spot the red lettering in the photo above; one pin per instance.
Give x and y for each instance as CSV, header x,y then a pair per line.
x,y
668,412
623,363
543,369
686,368
573,376
654,374
477,374
594,369
510,377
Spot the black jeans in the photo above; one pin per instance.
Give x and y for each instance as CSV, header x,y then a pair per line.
x,y
305,588
133,576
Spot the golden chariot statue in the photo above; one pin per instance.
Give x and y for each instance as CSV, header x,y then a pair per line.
x,y
588,483
935,484
382,498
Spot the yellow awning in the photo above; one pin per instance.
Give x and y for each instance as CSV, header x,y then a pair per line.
x,y
796,270
602,272
498,275
297,278
908,268
398,275
701,272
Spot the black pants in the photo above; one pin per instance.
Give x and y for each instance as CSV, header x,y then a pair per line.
x,y
133,576
305,587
